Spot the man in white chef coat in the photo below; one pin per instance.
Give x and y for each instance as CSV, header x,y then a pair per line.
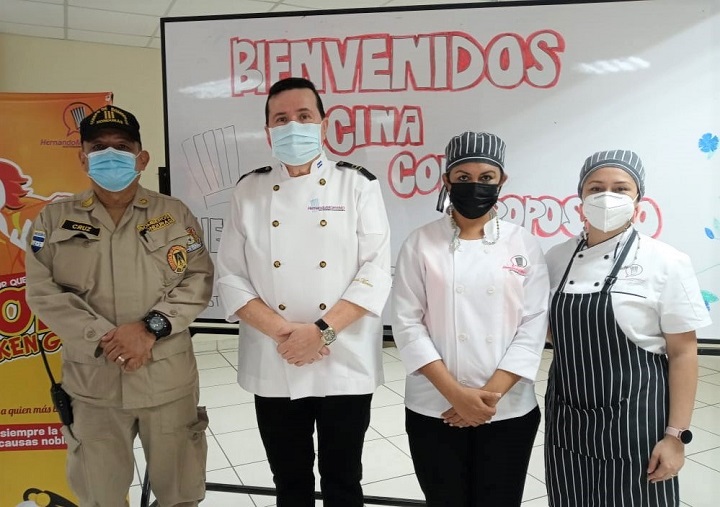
x,y
304,265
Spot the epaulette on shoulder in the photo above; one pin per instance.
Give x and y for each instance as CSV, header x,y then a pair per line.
x,y
259,170
357,168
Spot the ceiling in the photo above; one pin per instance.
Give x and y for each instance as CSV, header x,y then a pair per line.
x,y
137,22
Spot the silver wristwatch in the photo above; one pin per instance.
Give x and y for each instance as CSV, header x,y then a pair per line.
x,y
328,333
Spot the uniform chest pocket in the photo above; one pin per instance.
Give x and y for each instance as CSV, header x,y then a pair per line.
x,y
75,258
167,248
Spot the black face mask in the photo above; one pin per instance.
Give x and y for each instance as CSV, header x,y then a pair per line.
x,y
473,200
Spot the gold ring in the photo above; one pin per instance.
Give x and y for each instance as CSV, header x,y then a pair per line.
x,y
121,359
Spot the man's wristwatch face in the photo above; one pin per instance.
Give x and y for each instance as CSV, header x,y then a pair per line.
x,y
328,334
157,324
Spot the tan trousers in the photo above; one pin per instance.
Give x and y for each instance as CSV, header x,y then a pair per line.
x,y
100,452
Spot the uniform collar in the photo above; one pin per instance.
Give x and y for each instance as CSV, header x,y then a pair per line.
x,y
142,198
318,164
86,201
607,247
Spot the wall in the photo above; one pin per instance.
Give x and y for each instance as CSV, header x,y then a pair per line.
x,y
134,75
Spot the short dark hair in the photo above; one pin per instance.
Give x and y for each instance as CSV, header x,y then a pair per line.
x,y
292,83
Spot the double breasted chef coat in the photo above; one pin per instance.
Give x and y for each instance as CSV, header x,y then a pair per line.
x,y
301,244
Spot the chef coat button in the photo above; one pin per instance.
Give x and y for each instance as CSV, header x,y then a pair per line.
x,y
462,337
173,313
596,284
91,333
581,255
606,257
282,307
277,264
322,306
275,223
463,382
323,264
489,339
276,187
491,290
322,181
571,282
323,223
86,243
459,289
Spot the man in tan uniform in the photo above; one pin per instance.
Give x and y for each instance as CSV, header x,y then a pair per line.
x,y
119,272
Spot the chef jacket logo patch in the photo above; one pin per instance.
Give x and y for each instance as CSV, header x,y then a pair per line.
x,y
633,270
518,264
177,258
193,242
38,241
315,206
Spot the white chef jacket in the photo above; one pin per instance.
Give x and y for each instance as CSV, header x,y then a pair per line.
x,y
479,309
301,244
656,291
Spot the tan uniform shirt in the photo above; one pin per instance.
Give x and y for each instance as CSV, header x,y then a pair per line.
x,y
86,276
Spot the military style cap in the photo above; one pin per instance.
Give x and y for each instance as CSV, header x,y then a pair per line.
x,y
109,117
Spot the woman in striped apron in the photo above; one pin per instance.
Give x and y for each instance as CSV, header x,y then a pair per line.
x,y
623,316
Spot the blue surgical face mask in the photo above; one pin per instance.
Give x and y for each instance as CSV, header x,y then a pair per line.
x,y
112,169
296,143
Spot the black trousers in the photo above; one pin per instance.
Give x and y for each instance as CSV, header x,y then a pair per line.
x,y
472,467
287,427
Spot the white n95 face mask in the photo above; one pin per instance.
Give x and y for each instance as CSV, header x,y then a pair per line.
x,y
608,211
296,143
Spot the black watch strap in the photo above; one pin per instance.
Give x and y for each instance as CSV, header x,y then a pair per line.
x,y
321,324
157,324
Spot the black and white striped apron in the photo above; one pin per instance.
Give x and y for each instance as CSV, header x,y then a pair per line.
x,y
606,405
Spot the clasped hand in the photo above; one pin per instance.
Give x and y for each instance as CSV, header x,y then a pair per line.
x,y
301,344
128,345
471,407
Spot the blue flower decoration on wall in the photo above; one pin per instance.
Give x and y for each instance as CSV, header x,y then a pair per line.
x,y
708,143
713,233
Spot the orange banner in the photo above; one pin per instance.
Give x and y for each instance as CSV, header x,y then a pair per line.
x,y
39,146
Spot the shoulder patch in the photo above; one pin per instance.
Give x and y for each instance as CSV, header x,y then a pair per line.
x,y
358,168
260,170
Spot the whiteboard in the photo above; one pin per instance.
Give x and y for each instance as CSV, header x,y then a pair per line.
x,y
556,82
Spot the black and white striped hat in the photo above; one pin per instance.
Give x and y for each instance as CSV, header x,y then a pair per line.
x,y
475,147
627,160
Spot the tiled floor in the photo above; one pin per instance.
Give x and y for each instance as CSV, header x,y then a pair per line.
x,y
236,455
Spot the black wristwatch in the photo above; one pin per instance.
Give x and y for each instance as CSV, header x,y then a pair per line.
x,y
327,332
157,324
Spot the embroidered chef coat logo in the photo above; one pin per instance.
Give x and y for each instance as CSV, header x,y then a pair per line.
x,y
157,223
177,258
363,281
193,242
38,241
518,264
633,270
315,206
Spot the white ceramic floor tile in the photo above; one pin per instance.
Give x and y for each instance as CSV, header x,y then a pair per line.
x,y
394,371
393,351
713,379
541,375
536,468
227,343
707,393
218,376
257,474
710,459
220,499
231,357
707,418
242,447
216,459
533,489
397,386
712,362
702,371
211,360
387,358
401,442
224,395
384,397
382,460
538,502
233,418
699,485
405,487
370,434
388,421
702,441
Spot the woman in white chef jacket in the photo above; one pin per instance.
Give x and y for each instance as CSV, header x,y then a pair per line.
x,y
623,316
469,319
304,264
